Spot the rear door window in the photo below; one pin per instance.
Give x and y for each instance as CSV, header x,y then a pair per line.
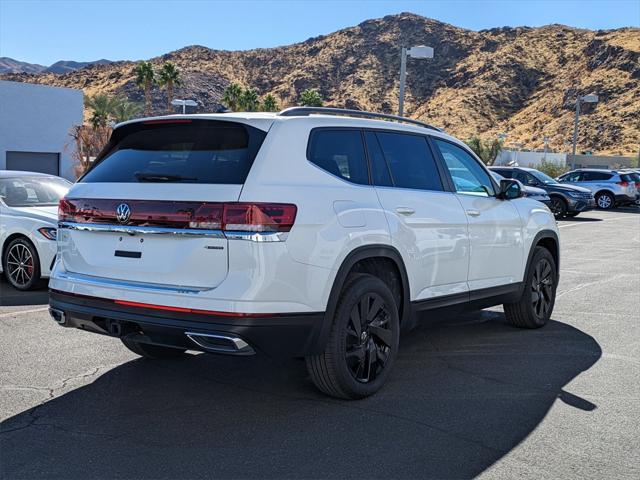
x,y
181,151
595,176
379,168
339,152
410,161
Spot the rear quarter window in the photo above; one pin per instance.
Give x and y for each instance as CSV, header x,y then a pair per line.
x,y
191,151
339,152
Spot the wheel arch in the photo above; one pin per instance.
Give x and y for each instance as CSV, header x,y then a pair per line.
x,y
549,240
354,262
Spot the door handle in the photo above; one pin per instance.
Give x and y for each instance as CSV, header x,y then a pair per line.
x,y
405,211
473,213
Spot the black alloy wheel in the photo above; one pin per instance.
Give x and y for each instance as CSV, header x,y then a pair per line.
x,y
363,343
368,338
542,288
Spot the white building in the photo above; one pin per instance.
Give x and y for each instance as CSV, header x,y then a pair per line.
x,y
35,122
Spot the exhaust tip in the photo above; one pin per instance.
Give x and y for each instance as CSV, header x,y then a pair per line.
x,y
218,343
58,316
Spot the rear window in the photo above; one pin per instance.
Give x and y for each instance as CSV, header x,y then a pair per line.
x,y
339,152
182,151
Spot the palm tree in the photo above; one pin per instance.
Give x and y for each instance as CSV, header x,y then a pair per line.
x,y
169,78
103,106
125,110
145,78
311,98
249,100
269,103
232,95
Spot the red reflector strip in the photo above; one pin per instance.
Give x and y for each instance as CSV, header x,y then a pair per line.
x,y
190,310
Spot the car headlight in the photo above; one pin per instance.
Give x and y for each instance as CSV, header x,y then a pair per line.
x,y
49,232
573,195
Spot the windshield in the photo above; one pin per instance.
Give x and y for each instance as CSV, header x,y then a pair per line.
x,y
33,191
543,177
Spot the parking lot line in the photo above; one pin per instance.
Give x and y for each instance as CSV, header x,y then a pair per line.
x,y
20,312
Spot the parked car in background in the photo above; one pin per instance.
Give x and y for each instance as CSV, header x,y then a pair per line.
x,y
533,193
609,187
635,176
565,200
28,225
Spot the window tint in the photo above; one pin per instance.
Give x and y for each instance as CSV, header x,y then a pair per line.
x,y
504,173
410,160
339,152
197,151
595,176
525,177
379,167
467,174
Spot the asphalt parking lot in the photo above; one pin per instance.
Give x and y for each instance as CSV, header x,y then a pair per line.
x,y
469,396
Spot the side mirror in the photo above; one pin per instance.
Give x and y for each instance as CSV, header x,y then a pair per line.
x,y
510,189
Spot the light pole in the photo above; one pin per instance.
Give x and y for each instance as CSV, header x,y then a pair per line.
x,y
545,139
579,101
414,52
184,103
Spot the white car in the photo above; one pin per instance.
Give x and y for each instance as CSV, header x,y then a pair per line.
x,y
312,232
28,224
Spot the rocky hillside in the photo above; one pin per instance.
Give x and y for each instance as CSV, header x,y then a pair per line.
x,y
522,81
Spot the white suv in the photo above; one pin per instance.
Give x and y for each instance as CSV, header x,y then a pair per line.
x,y
312,232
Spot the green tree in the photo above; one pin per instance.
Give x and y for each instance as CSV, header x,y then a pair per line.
x,y
269,103
125,110
169,77
249,100
311,98
487,150
145,78
102,106
232,96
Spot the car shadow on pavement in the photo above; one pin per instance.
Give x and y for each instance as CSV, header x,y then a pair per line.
x,y
463,393
10,297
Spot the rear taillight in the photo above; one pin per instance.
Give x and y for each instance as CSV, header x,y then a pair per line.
x,y
259,217
65,209
231,216
623,184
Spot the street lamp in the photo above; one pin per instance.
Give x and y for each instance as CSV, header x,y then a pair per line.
x,y
419,51
579,101
184,103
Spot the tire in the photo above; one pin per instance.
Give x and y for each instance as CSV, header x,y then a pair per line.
x,y
558,207
573,214
21,264
155,352
535,306
605,201
344,369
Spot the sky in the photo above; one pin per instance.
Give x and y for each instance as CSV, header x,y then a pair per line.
x,y
44,32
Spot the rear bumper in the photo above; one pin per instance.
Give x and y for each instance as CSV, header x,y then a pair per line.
x,y
285,335
625,199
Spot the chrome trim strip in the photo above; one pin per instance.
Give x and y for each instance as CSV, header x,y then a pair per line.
x,y
109,282
257,236
133,230
241,347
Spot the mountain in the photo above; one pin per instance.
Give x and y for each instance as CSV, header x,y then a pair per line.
x,y
67,66
522,81
9,65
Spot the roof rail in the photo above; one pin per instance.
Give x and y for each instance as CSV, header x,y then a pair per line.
x,y
305,111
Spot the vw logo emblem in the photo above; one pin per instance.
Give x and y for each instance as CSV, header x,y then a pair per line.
x,y
123,213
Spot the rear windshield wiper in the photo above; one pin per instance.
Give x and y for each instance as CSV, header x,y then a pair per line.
x,y
162,177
